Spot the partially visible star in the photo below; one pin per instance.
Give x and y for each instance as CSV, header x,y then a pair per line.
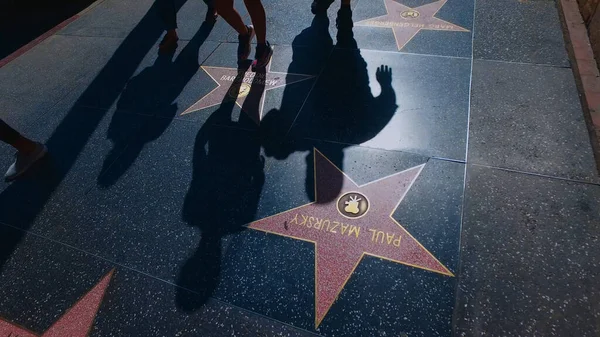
x,y
406,22
235,84
348,223
76,322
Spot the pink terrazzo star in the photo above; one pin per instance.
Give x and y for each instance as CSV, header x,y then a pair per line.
x,y
344,227
406,22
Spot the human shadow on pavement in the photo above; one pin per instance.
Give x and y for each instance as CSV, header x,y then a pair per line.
x,y
341,105
151,92
227,180
23,201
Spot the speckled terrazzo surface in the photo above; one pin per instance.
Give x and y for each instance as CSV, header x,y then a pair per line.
x,y
426,173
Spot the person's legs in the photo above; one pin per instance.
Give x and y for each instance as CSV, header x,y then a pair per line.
x,y
168,15
211,11
233,18
259,20
28,151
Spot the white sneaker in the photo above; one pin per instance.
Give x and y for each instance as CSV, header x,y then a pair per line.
x,y
24,161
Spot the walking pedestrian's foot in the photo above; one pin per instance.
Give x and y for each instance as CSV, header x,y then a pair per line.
x,y
23,161
169,42
264,51
320,6
244,46
211,15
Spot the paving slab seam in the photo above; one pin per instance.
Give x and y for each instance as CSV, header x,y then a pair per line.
x,y
117,264
585,69
538,174
52,31
308,94
451,160
90,36
464,193
405,53
525,63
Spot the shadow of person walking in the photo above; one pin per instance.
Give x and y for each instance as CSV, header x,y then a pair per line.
x,y
341,106
151,92
25,200
227,179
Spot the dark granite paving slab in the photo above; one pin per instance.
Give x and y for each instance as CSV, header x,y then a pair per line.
x,y
119,18
155,85
50,71
178,213
415,26
81,144
529,256
519,31
143,211
422,108
529,118
113,18
43,280
381,297
290,75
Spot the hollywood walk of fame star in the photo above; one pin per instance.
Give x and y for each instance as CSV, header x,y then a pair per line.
x,y
76,322
406,22
241,90
356,222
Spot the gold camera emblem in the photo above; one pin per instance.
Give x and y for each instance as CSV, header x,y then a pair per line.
x,y
243,91
410,14
353,205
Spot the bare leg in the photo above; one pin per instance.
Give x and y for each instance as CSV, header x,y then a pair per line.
x,y
259,19
231,16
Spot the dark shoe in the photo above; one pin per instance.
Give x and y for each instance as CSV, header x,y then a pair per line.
x,y
320,6
211,15
264,52
168,43
244,46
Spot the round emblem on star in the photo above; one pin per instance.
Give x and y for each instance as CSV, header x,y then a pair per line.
x,y
410,14
353,205
241,92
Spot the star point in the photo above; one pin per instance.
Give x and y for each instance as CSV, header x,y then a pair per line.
x,y
75,322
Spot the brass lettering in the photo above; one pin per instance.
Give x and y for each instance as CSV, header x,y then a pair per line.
x,y
355,230
382,236
304,219
318,223
295,219
334,226
397,241
373,235
326,222
310,224
390,238
344,228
